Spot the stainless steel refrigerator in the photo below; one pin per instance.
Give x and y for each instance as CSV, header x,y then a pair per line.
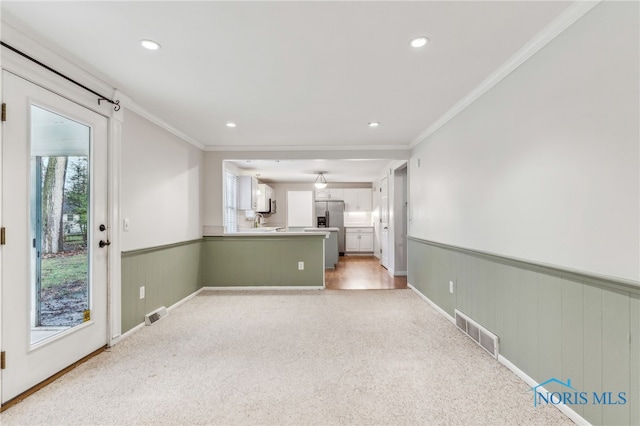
x,y
330,214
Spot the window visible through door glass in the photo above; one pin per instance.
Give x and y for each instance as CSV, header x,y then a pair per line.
x,y
60,202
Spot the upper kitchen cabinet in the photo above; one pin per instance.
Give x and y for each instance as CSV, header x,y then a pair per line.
x,y
247,193
357,199
329,194
265,198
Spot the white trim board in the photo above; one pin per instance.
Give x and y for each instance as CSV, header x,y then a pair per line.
x,y
430,302
134,107
563,21
564,409
170,308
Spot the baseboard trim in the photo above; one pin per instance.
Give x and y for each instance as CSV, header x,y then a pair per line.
x,y
564,409
130,332
430,302
170,308
184,300
263,288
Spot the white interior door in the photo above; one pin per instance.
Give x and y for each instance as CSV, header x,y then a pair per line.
x,y
54,201
384,222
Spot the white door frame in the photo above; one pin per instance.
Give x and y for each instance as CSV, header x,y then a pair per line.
x,y
26,69
384,221
393,217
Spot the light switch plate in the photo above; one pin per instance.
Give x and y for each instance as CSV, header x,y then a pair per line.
x,y
125,225
142,292
300,266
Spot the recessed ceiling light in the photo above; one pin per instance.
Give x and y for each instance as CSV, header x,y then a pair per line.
x,y
230,124
419,42
150,44
374,124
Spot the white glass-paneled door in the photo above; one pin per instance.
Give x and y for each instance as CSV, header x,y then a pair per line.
x,y
55,257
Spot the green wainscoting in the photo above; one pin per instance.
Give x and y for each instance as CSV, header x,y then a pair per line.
x,y
551,322
265,260
169,273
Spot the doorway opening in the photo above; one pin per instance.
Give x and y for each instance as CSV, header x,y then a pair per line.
x,y
362,273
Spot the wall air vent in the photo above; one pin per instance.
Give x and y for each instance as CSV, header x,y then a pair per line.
x,y
478,333
156,315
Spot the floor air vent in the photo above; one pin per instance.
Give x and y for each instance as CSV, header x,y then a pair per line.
x,y
482,336
156,315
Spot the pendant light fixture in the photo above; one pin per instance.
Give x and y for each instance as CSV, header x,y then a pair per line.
x,y
321,182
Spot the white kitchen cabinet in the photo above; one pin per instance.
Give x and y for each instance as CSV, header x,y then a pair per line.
x,y
247,193
329,194
357,199
265,197
359,240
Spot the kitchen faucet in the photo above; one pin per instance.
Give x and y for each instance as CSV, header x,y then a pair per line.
x,y
256,220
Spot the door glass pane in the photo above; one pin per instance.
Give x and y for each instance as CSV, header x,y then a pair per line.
x,y
59,223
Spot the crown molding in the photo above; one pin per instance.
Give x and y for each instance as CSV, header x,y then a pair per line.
x,y
46,55
563,21
131,105
286,148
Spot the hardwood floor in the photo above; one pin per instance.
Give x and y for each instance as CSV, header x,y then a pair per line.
x,y
361,273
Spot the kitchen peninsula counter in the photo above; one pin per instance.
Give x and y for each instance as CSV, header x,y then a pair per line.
x,y
264,259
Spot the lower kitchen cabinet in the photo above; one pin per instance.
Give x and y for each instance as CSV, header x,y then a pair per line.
x,y
359,240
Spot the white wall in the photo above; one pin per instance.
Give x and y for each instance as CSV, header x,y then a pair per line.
x,y
545,166
161,185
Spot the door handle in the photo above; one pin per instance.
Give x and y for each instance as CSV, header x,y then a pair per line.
x,y
103,243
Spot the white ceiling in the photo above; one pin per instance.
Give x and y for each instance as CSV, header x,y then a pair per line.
x,y
292,75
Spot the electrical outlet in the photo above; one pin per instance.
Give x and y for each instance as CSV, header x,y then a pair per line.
x,y
142,292
451,287
300,266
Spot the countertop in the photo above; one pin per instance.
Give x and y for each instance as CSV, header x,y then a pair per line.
x,y
321,229
265,232
358,226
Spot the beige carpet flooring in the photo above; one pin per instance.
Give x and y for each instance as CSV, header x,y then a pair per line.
x,y
291,357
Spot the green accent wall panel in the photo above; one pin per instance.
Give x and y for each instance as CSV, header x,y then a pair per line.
x,y
592,332
462,275
634,354
573,335
527,323
615,354
169,274
549,329
263,261
551,323
508,314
